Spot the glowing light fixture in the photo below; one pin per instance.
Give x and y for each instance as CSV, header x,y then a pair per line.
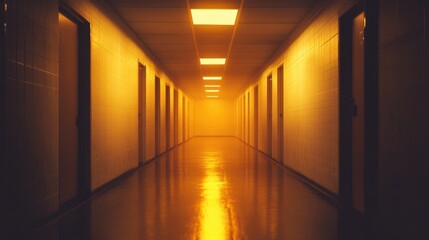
x,y
211,86
212,96
212,61
212,78
212,90
214,16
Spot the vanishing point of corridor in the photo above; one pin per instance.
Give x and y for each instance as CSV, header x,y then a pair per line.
x,y
207,188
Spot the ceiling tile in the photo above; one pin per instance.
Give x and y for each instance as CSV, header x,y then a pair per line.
x,y
215,4
272,15
149,3
265,29
160,28
155,15
180,38
213,50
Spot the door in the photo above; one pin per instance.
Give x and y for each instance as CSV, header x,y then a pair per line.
x,y
74,115
280,120
248,118
269,115
183,119
243,118
188,122
167,116
255,114
176,117
68,109
142,113
157,116
358,111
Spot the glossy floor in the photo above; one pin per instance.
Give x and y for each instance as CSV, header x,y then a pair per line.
x,y
208,188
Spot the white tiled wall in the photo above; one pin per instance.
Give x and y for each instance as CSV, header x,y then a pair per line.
x,y
310,101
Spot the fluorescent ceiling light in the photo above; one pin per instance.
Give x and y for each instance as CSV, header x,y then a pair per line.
x,y
212,86
212,90
212,61
212,96
214,16
212,78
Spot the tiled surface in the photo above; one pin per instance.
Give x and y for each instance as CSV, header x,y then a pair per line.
x,y
115,53
207,188
31,118
310,101
31,89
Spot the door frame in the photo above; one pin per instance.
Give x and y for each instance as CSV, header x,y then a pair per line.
x,y
270,115
157,116
370,8
255,116
84,104
280,112
167,117
183,119
176,116
248,117
142,114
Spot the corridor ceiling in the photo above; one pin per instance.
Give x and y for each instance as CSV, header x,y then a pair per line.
x,y
165,27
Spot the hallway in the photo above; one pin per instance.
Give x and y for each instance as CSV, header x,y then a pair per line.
x,y
226,119
207,188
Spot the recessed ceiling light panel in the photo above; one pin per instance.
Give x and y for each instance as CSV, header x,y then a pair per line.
x,y
212,61
212,86
214,16
212,90
212,78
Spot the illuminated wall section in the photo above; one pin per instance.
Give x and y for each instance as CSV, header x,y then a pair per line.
x,y
274,141
187,120
115,54
191,119
310,100
251,118
214,117
150,113
262,125
237,124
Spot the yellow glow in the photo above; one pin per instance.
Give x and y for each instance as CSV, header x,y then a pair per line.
x,y
212,61
212,86
214,16
212,90
214,213
212,96
212,78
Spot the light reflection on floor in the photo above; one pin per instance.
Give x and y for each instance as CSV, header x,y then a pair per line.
x,y
214,215
207,188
